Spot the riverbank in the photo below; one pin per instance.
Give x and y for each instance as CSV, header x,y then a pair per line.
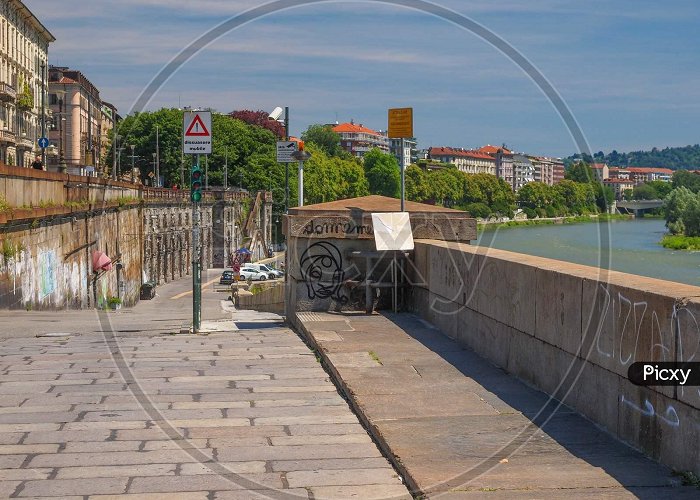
x,y
678,242
485,225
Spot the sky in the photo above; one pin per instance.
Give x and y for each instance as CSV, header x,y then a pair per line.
x,y
628,70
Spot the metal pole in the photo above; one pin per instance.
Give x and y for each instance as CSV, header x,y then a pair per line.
x,y
157,172
286,165
206,171
43,113
115,137
225,169
132,162
196,269
301,183
403,178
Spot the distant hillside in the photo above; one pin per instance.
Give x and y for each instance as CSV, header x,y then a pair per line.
x,y
674,158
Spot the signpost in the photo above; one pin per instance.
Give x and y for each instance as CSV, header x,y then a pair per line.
x,y
285,150
401,126
196,140
43,142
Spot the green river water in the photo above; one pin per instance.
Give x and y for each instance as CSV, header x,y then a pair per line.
x,y
630,246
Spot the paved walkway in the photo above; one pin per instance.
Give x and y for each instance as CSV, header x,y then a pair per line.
x,y
458,427
232,415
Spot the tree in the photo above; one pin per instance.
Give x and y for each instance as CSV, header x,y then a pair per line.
x,y
259,118
382,172
324,137
678,205
683,178
644,192
417,186
536,195
579,172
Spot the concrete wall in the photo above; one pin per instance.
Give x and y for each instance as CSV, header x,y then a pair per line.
x,y
573,331
270,299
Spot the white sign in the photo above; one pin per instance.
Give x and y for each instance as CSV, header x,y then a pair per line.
x,y
196,133
285,149
392,231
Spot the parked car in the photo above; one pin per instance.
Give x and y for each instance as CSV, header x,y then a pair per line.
x,y
227,277
269,271
253,274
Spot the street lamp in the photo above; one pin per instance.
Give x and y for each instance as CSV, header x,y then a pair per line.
x,y
301,156
275,115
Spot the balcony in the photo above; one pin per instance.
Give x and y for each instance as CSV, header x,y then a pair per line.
x,y
25,142
7,136
7,92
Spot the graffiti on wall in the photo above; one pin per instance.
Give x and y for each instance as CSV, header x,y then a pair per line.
x,y
322,271
629,320
47,270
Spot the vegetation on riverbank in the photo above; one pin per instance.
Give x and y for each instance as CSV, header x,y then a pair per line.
x,y
678,242
559,220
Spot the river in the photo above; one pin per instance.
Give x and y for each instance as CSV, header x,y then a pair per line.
x,y
633,247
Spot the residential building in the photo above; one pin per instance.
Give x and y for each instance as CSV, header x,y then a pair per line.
x,y
619,186
504,161
648,174
558,170
470,162
358,139
409,154
544,169
601,171
523,171
76,103
24,45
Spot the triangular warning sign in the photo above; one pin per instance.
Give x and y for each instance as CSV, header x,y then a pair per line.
x,y
197,128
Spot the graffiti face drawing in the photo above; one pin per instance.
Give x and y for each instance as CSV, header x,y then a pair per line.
x,y
322,270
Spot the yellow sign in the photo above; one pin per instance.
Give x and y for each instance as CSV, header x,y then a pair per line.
x,y
401,123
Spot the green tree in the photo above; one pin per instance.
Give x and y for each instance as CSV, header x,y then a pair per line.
x,y
324,137
417,186
644,192
678,205
684,178
382,172
579,172
536,195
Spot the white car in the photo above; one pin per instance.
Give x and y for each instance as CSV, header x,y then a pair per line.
x,y
269,271
248,273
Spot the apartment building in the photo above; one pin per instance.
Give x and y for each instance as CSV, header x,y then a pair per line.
x,y
24,45
358,139
468,161
408,154
77,109
523,171
504,161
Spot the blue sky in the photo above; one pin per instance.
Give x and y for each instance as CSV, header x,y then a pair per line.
x,y
629,70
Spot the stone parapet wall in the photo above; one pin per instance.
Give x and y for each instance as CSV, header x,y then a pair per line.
x,y
573,331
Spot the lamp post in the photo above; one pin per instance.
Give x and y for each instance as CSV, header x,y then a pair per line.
x,y
275,115
301,156
43,112
115,148
132,146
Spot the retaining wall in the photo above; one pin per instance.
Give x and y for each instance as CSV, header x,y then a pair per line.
x,y
573,331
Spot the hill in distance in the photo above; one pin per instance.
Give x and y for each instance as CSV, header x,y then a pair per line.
x,y
687,157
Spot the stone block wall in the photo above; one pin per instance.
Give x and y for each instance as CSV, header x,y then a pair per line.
x,y
573,331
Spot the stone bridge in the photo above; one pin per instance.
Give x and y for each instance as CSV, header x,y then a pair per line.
x,y
639,206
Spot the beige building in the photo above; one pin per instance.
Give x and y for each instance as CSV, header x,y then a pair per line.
x,y
77,133
24,44
470,162
358,139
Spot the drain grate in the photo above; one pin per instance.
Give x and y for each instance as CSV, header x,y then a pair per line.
x,y
312,316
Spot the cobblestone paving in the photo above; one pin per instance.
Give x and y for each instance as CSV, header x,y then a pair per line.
x,y
249,414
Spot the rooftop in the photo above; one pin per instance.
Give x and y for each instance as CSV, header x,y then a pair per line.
x,y
353,127
372,203
445,151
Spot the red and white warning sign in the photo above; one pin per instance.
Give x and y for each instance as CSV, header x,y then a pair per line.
x,y
196,133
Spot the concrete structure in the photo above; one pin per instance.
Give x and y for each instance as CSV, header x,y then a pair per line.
x,y
358,139
470,162
332,262
49,249
24,44
523,171
409,154
638,207
573,331
79,138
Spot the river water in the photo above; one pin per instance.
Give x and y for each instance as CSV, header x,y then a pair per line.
x,y
631,246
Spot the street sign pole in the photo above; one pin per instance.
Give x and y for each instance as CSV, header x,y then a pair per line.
x,y
196,267
400,127
403,179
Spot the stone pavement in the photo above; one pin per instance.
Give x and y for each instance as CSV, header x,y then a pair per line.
x,y
458,427
230,415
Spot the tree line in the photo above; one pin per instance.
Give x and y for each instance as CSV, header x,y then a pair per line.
x,y
686,157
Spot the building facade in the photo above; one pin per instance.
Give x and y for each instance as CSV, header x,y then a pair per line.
x,y
504,161
77,110
358,139
470,162
408,155
523,171
24,45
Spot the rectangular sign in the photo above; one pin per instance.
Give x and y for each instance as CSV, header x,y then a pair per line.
x,y
392,231
196,133
401,123
285,149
